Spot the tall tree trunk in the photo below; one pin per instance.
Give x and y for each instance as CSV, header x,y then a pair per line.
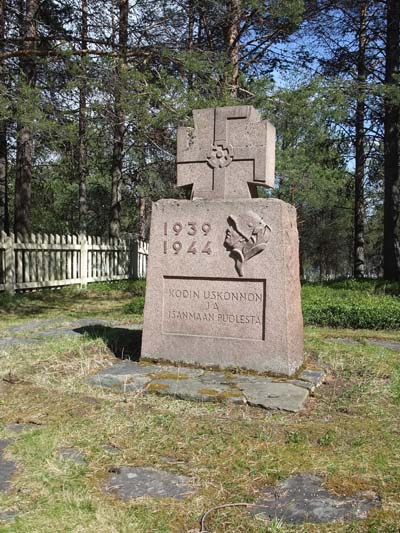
x,y
190,37
82,142
4,217
24,155
233,44
119,118
359,203
142,218
391,239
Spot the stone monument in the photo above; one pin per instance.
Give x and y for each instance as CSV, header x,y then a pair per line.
x,y
223,284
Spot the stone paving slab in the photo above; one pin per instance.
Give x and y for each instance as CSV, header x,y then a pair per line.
x,y
135,482
316,377
304,384
35,331
301,498
281,396
390,345
7,516
196,389
57,323
20,427
6,342
7,468
73,455
113,450
206,385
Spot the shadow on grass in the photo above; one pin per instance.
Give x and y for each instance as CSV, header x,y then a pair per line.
x,y
124,343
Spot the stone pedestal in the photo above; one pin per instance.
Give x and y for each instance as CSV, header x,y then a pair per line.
x,y
223,285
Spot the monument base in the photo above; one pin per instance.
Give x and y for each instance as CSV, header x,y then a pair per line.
x,y
223,285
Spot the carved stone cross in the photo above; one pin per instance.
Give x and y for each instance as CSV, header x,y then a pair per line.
x,y
227,154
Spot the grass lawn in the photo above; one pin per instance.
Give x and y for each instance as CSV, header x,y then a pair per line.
x,y
349,432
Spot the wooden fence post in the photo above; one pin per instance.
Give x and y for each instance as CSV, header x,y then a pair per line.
x,y
84,259
133,247
9,260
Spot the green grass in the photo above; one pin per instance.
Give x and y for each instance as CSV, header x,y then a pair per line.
x,y
105,299
348,433
352,304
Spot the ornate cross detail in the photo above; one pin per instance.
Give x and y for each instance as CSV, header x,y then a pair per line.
x,y
227,153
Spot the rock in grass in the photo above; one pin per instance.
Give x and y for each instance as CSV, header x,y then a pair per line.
x,y
7,516
282,396
7,468
135,482
316,377
73,455
302,498
19,427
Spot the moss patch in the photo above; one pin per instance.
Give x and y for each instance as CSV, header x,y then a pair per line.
x,y
221,395
167,375
156,387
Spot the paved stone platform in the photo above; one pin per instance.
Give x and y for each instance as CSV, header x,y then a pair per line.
x,y
302,499
206,385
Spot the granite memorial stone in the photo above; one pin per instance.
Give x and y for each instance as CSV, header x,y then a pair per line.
x,y
223,283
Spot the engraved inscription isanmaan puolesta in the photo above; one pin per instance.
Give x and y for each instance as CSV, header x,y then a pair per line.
x,y
214,307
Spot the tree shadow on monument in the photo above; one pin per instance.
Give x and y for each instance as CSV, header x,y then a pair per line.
x,y
124,343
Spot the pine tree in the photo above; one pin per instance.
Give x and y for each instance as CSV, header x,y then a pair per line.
x,y
359,173
82,140
119,120
4,216
23,181
391,244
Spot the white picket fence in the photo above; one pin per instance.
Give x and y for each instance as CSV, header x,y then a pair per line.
x,y
38,260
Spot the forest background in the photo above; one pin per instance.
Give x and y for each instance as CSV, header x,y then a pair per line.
x,y
91,94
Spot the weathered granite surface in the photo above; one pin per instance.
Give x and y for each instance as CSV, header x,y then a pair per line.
x,y
302,498
223,283
209,303
227,154
204,385
283,396
135,482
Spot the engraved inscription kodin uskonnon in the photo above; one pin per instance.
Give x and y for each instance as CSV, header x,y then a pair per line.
x,y
246,236
209,307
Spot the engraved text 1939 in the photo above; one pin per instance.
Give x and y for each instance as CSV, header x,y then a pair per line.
x,y
187,237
